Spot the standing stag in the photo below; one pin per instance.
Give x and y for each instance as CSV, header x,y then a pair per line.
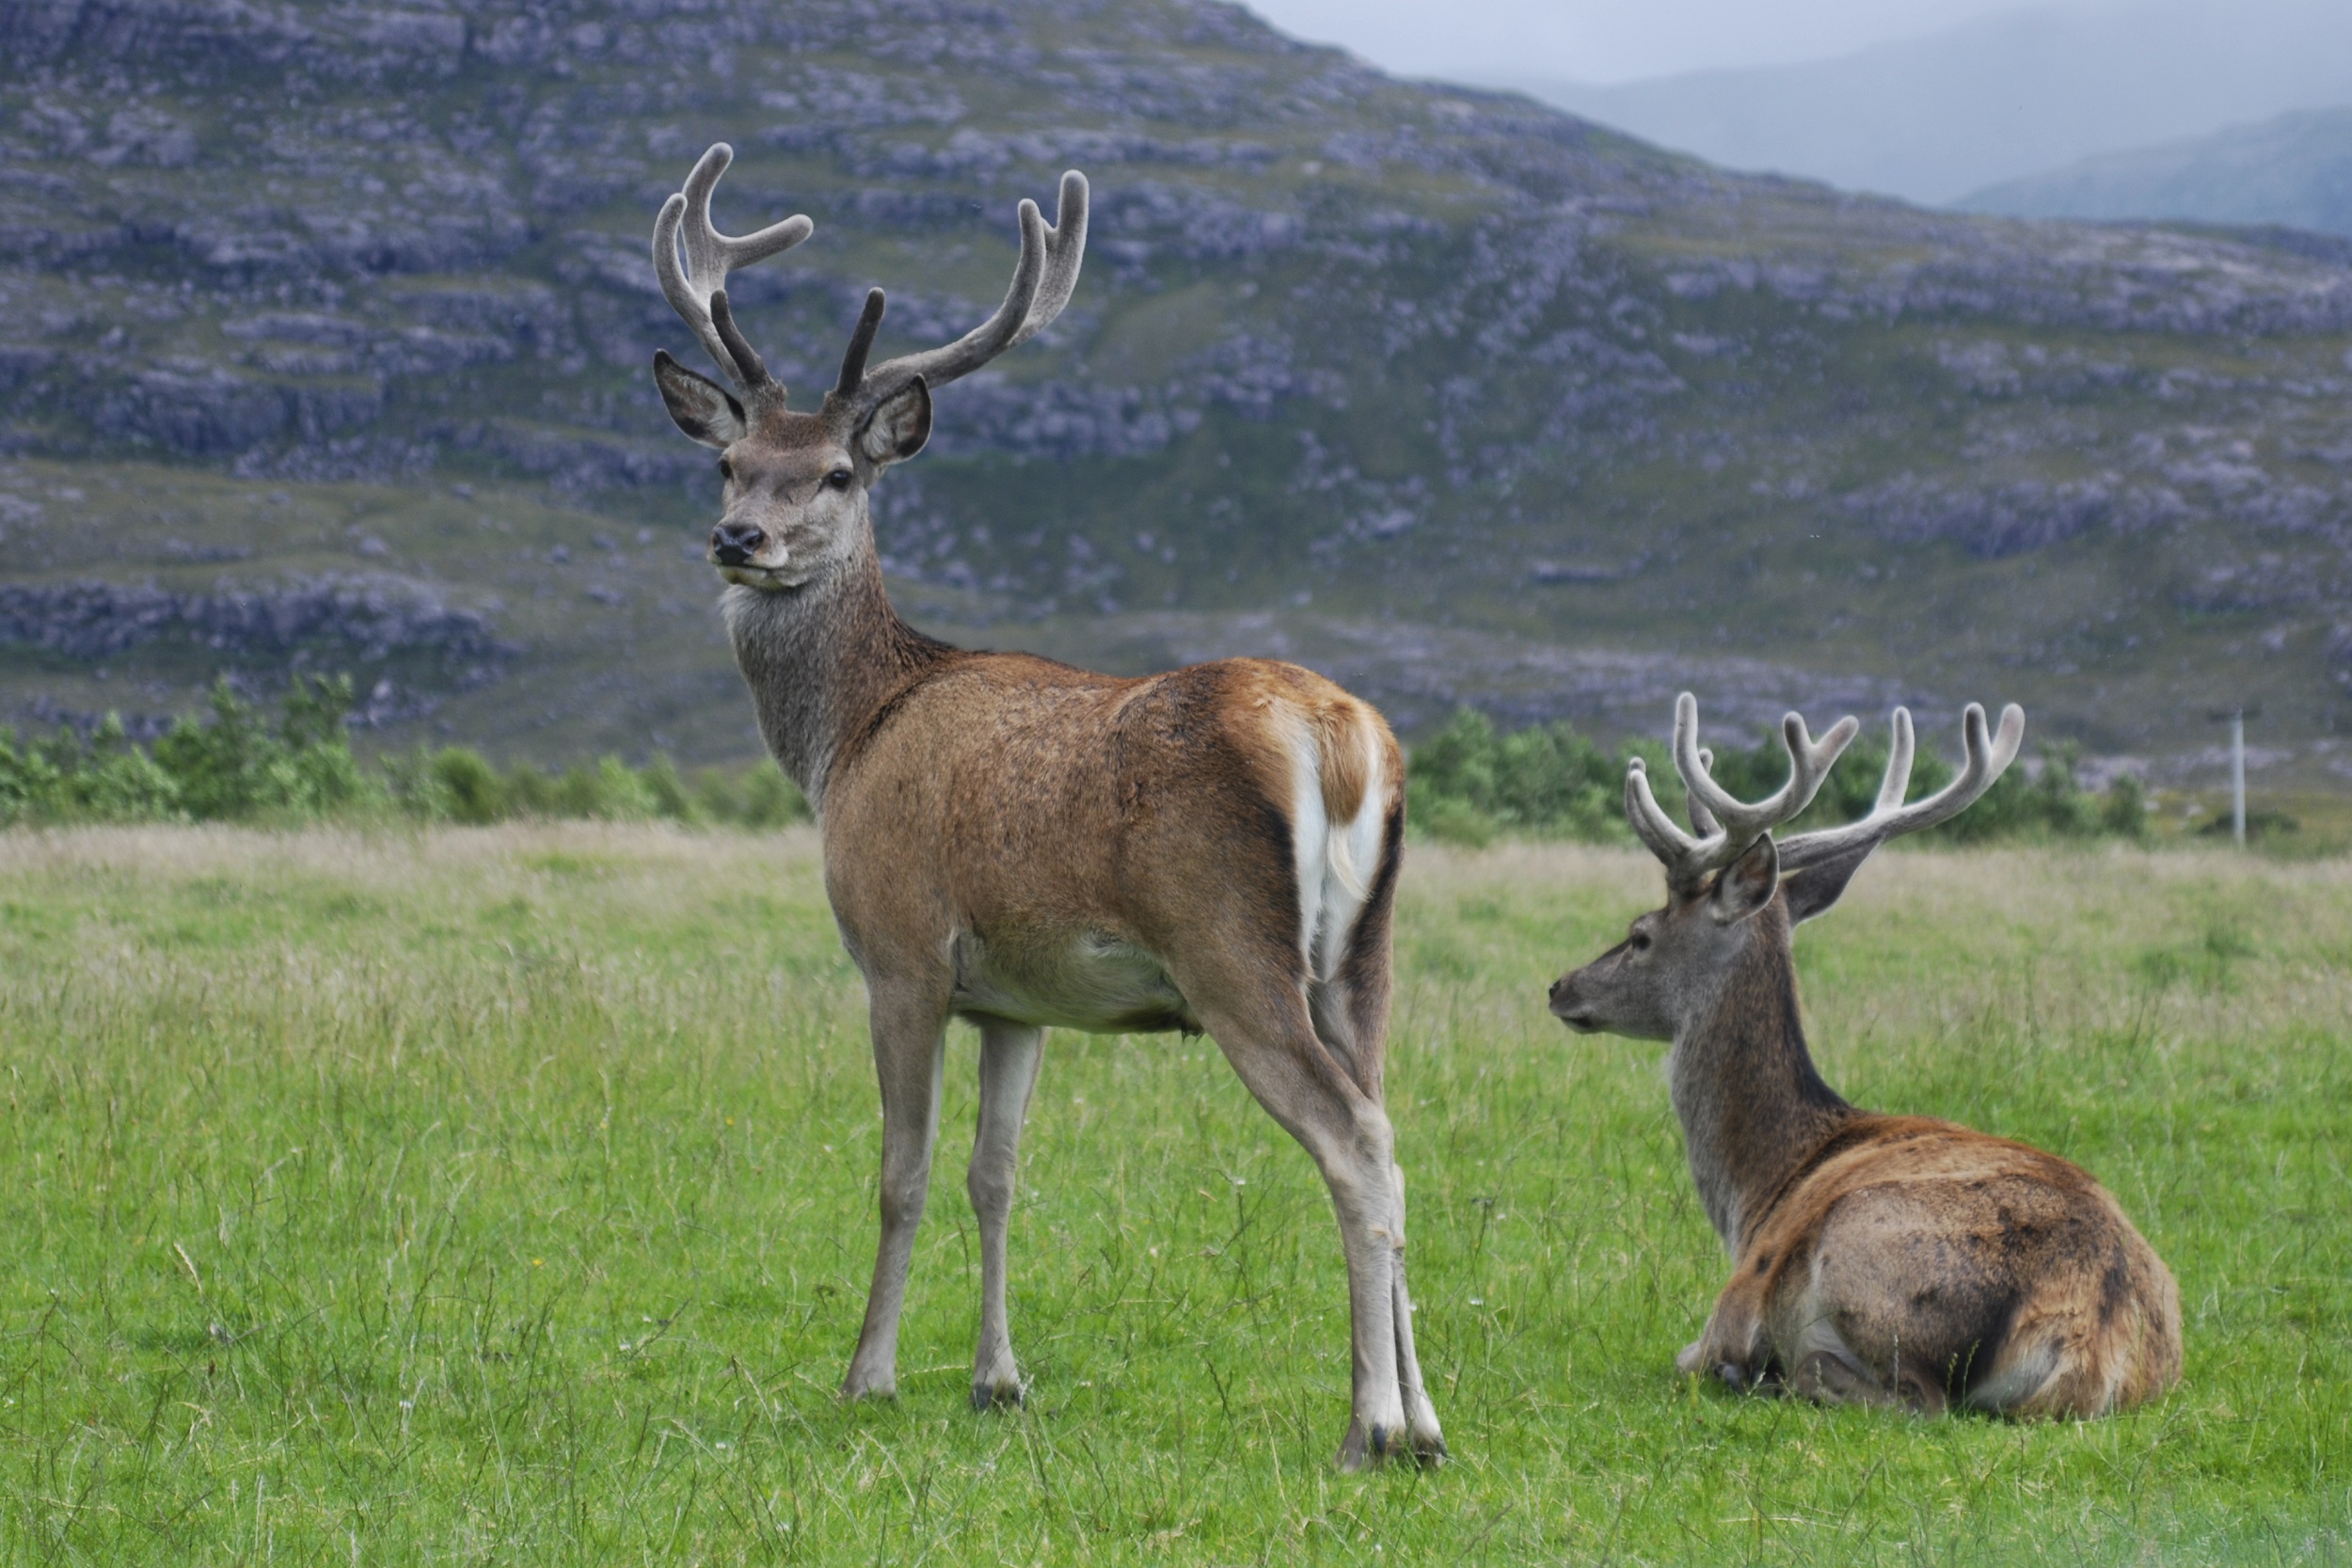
x,y
1020,844
1877,1259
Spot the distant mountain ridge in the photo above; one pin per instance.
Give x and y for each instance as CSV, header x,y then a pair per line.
x,y
321,318
2018,94
2295,171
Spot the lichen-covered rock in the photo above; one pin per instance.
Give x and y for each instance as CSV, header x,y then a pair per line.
x,y
367,617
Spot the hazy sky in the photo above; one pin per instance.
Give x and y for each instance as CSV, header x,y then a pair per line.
x,y
1611,41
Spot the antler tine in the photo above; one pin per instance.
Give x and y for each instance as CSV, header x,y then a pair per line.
x,y
1043,281
1900,747
861,345
1702,821
1066,247
690,287
1988,757
1653,827
739,347
1809,762
1726,827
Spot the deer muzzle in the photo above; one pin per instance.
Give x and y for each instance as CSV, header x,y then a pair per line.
x,y
734,544
1571,1008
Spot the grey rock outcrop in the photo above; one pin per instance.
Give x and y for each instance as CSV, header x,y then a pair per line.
x,y
362,617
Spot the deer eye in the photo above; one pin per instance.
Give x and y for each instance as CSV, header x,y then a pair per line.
x,y
840,479
1640,941
726,470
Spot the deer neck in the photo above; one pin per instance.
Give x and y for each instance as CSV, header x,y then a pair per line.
x,y
822,660
1745,1089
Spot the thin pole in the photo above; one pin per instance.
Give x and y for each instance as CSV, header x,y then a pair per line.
x,y
2238,778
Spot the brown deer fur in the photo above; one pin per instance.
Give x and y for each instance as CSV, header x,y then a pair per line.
x,y
1022,845
1875,1258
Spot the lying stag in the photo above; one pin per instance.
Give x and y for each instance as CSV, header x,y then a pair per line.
x,y
1018,844
1877,1259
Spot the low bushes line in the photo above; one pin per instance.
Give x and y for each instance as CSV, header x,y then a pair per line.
x,y
234,765
1468,784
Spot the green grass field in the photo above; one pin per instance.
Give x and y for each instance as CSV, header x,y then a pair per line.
x,y
507,1195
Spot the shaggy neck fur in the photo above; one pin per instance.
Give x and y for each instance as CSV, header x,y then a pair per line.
x,y
823,660
1745,1089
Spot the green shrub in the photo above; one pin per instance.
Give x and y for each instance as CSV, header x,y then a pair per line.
x,y
28,781
221,770
530,793
314,731
1452,820
578,792
236,768
758,797
470,788
668,792
117,783
622,795
2124,810
230,765
773,801
1466,782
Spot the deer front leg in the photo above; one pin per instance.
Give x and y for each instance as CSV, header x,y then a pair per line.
x,y
910,1040
1732,1346
1009,1053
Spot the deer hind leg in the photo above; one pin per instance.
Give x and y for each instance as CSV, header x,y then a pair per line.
x,y
1421,1415
1274,1049
910,1040
1009,1053
1824,1367
1834,1377
1350,1018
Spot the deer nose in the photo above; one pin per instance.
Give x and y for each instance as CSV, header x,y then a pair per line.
x,y
733,544
1568,1008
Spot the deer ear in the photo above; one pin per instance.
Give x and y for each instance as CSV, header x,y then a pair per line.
x,y
898,426
1813,890
707,411
1746,885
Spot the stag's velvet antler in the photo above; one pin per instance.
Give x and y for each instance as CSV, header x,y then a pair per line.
x,y
1726,826
1043,281
1988,757
697,289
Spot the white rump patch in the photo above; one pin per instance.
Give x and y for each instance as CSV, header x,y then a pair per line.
x,y
1335,860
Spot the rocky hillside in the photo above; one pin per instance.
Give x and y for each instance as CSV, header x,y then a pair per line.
x,y
323,331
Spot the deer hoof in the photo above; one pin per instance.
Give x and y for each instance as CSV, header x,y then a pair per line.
x,y
1427,1444
862,1385
998,1396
